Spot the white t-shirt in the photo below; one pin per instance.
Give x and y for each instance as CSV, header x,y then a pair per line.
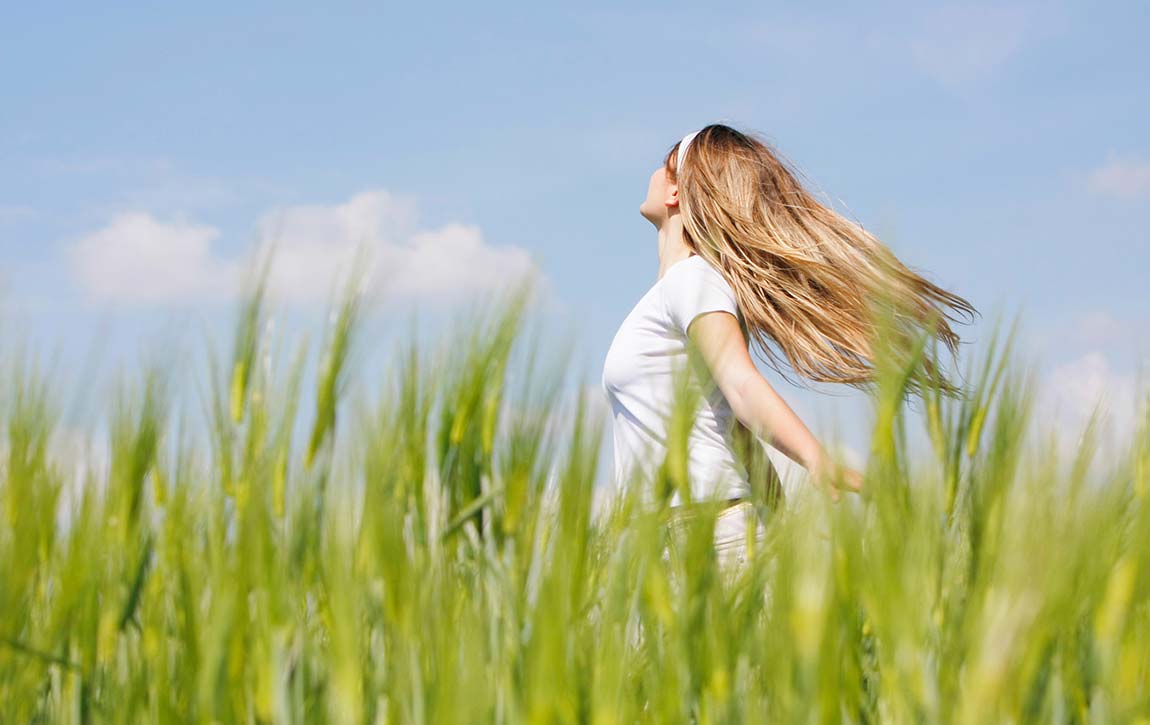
x,y
637,378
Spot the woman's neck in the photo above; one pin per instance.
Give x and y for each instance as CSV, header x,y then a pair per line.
x,y
672,248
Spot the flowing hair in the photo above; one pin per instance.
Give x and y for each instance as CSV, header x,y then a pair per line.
x,y
806,278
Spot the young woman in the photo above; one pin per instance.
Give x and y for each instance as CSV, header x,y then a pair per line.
x,y
746,253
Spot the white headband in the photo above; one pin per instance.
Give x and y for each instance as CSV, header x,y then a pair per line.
x,y
683,149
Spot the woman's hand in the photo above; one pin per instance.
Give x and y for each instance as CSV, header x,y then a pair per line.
x,y
830,477
851,480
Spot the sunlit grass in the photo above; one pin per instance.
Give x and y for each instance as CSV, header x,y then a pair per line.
x,y
431,555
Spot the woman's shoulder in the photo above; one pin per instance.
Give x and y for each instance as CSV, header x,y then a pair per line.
x,y
693,270
694,265
693,286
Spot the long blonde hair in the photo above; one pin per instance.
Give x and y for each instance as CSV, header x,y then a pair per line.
x,y
806,278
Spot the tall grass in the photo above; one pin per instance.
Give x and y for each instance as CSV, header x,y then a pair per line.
x,y
432,555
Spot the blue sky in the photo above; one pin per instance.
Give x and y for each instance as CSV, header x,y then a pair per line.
x,y
999,148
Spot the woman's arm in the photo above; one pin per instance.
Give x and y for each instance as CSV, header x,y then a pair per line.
x,y
754,401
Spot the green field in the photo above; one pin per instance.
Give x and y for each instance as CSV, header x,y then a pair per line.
x,y
289,553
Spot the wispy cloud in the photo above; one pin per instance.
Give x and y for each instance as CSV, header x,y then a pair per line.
x,y
153,184
1125,179
1099,328
960,44
15,213
138,258
1121,333
957,45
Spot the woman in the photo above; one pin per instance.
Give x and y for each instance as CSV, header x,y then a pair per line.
x,y
746,253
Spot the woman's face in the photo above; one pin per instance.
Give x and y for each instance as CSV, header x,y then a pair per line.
x,y
662,198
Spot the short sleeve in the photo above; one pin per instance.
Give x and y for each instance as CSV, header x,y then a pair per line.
x,y
692,287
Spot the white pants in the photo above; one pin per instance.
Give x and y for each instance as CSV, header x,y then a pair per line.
x,y
737,528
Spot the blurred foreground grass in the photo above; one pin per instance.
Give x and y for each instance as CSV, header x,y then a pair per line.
x,y
432,556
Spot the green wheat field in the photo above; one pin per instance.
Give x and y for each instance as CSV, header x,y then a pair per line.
x,y
430,553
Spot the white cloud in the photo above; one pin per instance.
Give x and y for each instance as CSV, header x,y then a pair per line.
x,y
139,259
1071,392
960,44
1122,179
315,244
